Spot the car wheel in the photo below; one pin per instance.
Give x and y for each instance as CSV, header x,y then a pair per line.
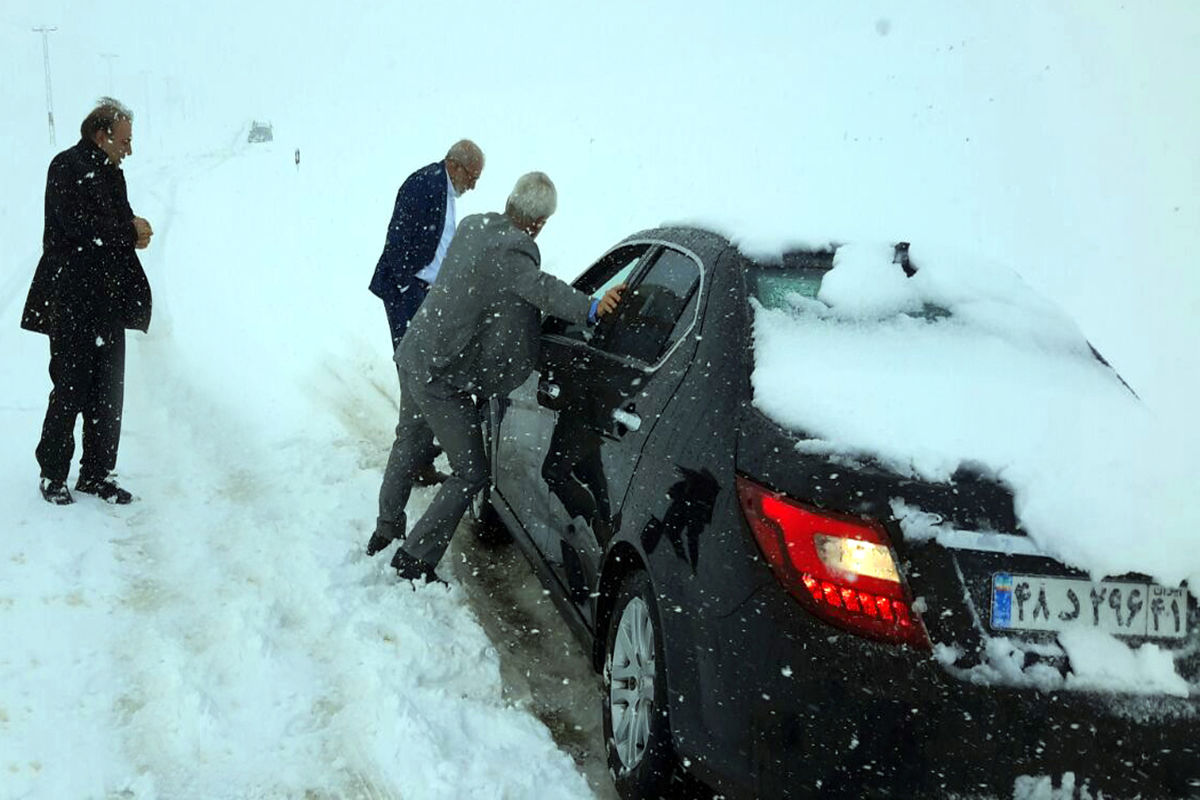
x,y
637,734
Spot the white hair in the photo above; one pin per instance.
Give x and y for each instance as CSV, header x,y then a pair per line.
x,y
108,112
122,110
466,153
533,198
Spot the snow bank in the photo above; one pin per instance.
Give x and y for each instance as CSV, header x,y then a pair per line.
x,y
225,635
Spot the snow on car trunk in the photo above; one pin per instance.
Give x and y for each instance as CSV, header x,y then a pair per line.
x,y
961,365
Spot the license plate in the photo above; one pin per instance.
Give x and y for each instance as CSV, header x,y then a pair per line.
x,y
1125,608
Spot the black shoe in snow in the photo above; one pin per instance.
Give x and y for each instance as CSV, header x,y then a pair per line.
x,y
386,532
429,475
56,492
411,568
106,489
377,542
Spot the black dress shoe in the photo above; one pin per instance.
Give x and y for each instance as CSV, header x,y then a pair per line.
x,y
411,568
386,531
55,492
105,488
429,475
378,542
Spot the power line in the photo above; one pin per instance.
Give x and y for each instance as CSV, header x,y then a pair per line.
x,y
46,60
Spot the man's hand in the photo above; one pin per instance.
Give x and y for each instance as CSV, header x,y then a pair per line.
x,y
608,303
144,232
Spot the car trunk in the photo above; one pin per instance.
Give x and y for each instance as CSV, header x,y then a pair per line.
x,y
977,581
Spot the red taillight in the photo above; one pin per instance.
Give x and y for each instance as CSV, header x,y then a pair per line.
x,y
840,568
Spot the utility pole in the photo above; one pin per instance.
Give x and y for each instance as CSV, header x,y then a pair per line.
x,y
46,59
109,58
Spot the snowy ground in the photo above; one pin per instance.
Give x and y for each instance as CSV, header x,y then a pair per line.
x,y
224,637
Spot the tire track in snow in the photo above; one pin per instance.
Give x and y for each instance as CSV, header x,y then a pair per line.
x,y
266,655
543,666
232,584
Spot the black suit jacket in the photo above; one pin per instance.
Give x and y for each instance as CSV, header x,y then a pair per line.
x,y
413,235
89,274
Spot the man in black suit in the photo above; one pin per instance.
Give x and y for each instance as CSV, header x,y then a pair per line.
x,y
88,289
423,223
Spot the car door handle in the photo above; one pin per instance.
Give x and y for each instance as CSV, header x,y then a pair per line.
x,y
627,418
548,390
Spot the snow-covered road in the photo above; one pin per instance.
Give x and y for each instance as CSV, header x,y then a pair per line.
x,y
225,636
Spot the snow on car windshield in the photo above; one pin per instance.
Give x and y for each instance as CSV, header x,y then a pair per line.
x,y
963,364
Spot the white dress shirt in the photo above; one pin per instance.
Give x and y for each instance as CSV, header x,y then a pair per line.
x,y
429,272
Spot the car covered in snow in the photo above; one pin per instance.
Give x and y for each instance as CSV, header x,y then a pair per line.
x,y
260,132
853,521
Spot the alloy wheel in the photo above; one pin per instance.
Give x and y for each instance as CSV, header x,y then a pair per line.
x,y
631,684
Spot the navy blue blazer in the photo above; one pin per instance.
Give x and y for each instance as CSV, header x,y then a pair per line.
x,y
413,234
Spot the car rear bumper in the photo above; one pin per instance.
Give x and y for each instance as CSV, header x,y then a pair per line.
x,y
834,715
839,743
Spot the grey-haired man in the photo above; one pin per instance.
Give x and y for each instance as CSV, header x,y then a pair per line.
x,y
476,335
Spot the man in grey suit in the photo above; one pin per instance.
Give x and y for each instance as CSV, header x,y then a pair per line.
x,y
477,333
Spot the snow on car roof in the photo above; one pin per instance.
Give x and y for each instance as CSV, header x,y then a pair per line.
x,y
998,379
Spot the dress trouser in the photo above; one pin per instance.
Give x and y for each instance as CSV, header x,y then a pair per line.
x,y
88,371
399,313
573,471
428,409
403,308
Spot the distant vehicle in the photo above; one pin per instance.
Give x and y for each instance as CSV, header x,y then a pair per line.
x,y
752,606
260,132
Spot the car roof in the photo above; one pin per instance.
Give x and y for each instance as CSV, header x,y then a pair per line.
x,y
681,234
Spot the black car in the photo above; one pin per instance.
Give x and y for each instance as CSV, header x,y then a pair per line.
x,y
761,624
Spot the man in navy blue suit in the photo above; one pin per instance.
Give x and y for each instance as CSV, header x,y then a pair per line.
x,y
423,223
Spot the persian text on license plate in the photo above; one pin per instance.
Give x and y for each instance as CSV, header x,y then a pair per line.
x,y
1036,603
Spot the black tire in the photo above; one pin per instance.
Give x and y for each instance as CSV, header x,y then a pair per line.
x,y
641,756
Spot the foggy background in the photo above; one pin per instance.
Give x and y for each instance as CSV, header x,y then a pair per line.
x,y
1058,138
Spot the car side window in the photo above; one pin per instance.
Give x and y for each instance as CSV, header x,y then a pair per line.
x,y
612,269
654,313
621,275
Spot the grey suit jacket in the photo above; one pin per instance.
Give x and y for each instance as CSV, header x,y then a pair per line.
x,y
479,328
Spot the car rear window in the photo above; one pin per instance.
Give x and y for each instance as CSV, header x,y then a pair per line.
x,y
773,287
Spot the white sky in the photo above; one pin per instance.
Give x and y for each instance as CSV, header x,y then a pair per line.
x,y
1052,137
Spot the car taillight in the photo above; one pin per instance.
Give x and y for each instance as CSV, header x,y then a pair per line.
x,y
841,568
